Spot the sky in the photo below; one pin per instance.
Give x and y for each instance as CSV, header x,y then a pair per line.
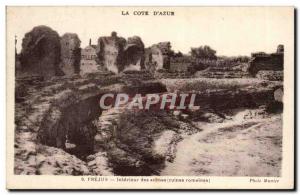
x,y
231,31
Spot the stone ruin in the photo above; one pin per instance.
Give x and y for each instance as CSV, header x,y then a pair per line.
x,y
45,54
134,53
117,54
40,54
110,52
70,54
280,49
158,56
67,114
262,61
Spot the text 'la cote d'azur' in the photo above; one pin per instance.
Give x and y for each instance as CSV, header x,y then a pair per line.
x,y
148,13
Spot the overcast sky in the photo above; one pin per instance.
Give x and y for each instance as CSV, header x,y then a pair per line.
x,y
230,31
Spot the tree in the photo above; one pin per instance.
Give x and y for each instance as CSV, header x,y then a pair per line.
x,y
179,54
204,52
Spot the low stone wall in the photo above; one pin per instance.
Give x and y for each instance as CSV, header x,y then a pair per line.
x,y
270,75
225,93
163,74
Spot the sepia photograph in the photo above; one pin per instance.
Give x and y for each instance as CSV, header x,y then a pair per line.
x,y
150,97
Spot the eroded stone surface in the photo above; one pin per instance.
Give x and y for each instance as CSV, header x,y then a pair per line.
x,y
60,111
70,53
60,117
40,55
110,52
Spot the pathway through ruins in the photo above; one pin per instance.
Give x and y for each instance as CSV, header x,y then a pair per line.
x,y
237,147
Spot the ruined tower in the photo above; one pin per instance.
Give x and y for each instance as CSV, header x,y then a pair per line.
x,y
40,54
134,53
70,54
110,52
158,56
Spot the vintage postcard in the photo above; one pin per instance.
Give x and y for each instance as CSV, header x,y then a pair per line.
x,y
150,97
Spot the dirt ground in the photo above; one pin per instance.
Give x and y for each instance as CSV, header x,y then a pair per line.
x,y
247,144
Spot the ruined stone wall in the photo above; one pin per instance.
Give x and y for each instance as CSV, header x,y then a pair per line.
x,y
56,110
154,59
266,62
158,56
134,53
163,74
182,64
40,55
270,75
70,53
110,52
88,63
